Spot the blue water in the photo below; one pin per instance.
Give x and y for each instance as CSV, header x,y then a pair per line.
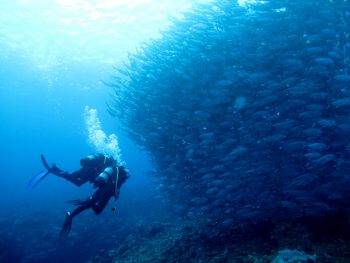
x,y
245,120
35,120
54,58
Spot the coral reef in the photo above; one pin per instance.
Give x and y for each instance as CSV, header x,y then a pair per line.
x,y
293,256
324,240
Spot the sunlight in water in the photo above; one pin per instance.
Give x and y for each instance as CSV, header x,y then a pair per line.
x,y
49,32
246,2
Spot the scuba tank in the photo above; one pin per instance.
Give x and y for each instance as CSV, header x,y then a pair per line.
x,y
106,175
98,159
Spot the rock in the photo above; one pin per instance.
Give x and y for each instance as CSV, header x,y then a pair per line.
x,y
293,256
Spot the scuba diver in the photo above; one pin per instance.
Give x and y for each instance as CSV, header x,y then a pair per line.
x,y
101,170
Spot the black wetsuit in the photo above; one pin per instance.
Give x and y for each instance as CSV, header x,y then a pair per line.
x,y
99,169
92,167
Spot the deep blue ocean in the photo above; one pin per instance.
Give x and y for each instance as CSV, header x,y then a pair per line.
x,y
227,115
55,56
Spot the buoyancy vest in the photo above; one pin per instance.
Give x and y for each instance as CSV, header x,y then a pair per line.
x,y
107,169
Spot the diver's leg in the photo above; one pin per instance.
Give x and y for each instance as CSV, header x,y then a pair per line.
x,y
67,225
106,194
100,205
78,177
87,203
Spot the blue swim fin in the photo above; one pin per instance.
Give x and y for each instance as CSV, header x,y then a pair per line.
x,y
45,162
37,179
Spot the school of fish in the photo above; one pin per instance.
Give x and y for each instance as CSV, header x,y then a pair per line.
x,y
245,110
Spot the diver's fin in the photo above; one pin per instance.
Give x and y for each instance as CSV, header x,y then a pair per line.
x,y
45,162
37,179
67,225
79,202
53,168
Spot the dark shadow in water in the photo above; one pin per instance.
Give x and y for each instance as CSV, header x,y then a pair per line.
x,y
331,226
9,252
